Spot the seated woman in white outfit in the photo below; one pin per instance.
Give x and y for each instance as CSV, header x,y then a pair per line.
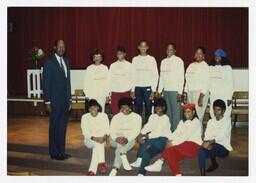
x,y
95,128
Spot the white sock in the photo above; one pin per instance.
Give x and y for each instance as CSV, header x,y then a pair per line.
x,y
155,167
137,163
113,172
125,162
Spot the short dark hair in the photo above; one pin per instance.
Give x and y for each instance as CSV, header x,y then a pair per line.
x,y
93,102
173,45
219,103
201,48
121,49
97,51
143,40
57,41
125,101
160,102
224,61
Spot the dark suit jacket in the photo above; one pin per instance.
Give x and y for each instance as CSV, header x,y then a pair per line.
x,y
56,87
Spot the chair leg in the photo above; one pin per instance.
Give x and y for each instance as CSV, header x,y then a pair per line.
x,y
235,120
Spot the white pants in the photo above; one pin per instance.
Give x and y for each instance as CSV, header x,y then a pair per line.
x,y
193,97
119,150
98,154
214,97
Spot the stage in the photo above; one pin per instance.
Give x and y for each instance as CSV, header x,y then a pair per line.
x,y
28,151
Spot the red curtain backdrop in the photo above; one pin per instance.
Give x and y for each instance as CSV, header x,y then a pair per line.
x,y
84,29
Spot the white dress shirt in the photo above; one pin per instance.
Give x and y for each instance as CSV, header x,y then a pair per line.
x,y
157,126
220,131
146,73
97,126
121,76
96,81
171,74
128,126
187,131
197,77
221,81
63,63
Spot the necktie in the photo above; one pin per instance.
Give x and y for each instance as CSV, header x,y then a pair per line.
x,y
62,66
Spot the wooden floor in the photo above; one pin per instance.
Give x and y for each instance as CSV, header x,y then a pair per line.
x,y
28,151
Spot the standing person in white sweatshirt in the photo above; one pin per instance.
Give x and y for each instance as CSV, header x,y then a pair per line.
x,y
183,143
146,79
216,139
121,79
196,89
124,128
221,81
171,84
96,79
152,137
95,129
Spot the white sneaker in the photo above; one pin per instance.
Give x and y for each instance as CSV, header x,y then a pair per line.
x,y
137,163
140,174
125,162
155,167
113,172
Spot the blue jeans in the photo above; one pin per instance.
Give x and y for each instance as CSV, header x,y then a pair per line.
x,y
216,151
142,94
149,149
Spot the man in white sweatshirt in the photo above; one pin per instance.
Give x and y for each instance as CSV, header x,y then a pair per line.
x,y
171,84
124,128
217,138
146,79
95,128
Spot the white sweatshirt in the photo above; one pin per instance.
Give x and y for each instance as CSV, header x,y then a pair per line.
x,y
146,73
197,77
220,131
96,81
97,126
128,126
187,131
157,126
121,76
221,81
171,74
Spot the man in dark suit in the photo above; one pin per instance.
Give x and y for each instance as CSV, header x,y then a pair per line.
x,y
57,98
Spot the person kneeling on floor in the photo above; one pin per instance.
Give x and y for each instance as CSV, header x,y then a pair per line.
x,y
95,128
124,128
217,138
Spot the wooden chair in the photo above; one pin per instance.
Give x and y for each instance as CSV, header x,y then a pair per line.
x,y
79,101
239,104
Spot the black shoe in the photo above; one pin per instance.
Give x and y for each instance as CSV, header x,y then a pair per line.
x,y
202,171
58,157
213,167
67,156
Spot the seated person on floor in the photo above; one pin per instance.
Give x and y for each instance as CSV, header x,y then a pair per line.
x,y
216,139
152,138
183,143
95,128
124,128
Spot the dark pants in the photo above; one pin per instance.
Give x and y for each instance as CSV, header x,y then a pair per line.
x,y
216,151
142,94
57,129
149,149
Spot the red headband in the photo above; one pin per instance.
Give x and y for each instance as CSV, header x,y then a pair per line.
x,y
189,106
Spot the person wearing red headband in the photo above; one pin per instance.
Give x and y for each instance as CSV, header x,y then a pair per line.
x,y
183,143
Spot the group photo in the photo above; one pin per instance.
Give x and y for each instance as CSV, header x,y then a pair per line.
x,y
127,91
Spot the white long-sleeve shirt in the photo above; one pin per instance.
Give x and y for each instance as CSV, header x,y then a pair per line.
x,y
97,126
121,76
220,131
96,81
157,126
128,126
221,81
171,74
197,77
146,73
187,131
